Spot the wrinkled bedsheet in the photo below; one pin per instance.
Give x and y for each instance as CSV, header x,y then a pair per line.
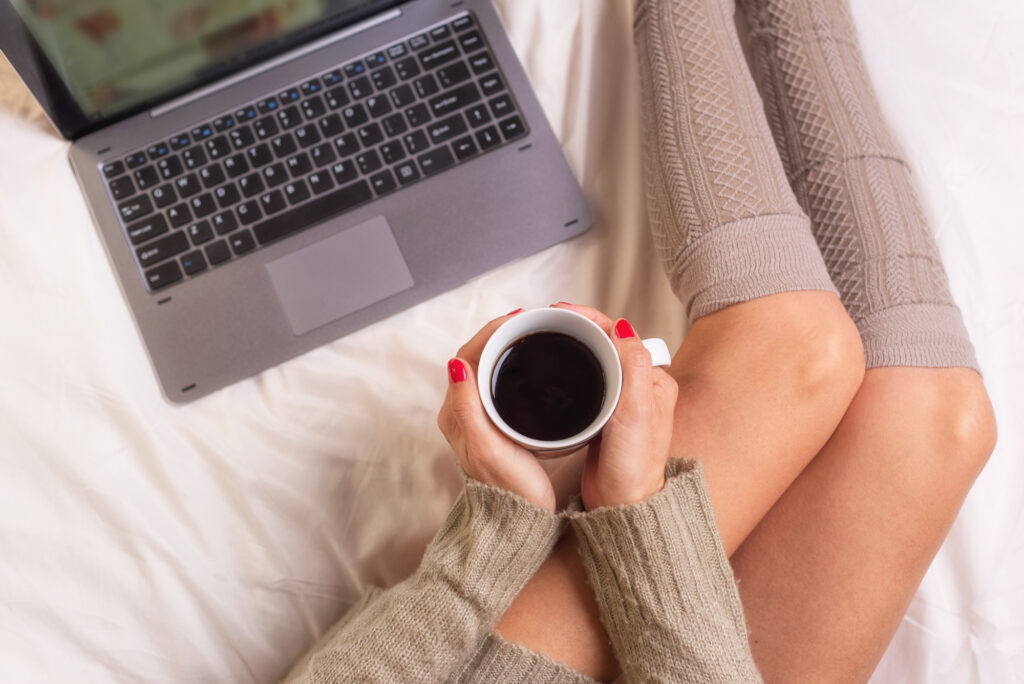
x,y
213,542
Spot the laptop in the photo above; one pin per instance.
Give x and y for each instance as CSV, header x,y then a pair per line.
x,y
268,175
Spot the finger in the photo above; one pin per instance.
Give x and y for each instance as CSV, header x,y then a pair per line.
x,y
466,409
636,369
666,389
471,350
590,312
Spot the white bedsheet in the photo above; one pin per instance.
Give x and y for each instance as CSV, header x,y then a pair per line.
x,y
139,541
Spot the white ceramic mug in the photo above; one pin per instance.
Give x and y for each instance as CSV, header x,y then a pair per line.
x,y
586,331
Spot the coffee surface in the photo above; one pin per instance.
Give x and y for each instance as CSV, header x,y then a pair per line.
x,y
548,386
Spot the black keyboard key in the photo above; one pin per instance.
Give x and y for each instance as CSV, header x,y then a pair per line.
x,y
512,127
417,42
275,174
203,205
134,208
322,155
354,69
200,232
241,137
397,50
136,160
394,125
146,177
122,187
224,222
202,132
271,202
289,116
163,275
368,161
383,78
360,87
164,195
319,209
378,105
452,74
249,212
415,142
193,262
454,99
251,184
193,158
407,172
407,68
320,182
247,113
446,129
310,87
488,138
161,249
289,96
267,105
113,169
299,165
370,134
169,167
435,161
307,135
331,78
354,115
227,195
259,155
418,114
187,185
158,150
471,41
211,175
425,85
402,95
344,171
223,123
376,59
392,152
330,126
147,229
283,145
313,107
464,147
296,191
439,54
440,32
236,165
346,144
218,252
265,128
383,182
337,97
478,115
481,63
179,215
241,242
502,106
462,23
491,84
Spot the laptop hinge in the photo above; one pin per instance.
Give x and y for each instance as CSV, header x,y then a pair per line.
x,y
275,62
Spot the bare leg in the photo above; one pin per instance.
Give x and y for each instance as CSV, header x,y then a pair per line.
x,y
828,574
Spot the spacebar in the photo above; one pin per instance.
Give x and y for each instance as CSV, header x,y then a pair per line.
x,y
313,212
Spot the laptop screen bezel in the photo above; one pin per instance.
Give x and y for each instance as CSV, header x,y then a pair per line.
x,y
22,51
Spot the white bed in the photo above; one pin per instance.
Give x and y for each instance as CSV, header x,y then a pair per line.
x,y
139,541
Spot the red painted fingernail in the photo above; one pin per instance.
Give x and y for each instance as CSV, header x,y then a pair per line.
x,y
623,329
456,370
512,313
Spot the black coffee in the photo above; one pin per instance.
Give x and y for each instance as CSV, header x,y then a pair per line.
x,y
548,386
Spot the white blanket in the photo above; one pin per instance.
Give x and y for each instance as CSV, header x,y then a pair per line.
x,y
213,542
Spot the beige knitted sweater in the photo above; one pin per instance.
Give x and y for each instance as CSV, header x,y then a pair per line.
x,y
658,570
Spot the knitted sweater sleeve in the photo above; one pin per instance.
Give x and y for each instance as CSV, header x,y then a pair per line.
x,y
424,628
664,587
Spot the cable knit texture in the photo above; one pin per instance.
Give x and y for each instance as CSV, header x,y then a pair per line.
x,y
664,586
724,219
850,176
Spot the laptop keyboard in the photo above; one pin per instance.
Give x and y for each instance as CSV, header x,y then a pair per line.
x,y
286,162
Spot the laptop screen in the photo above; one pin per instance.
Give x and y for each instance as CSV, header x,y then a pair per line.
x,y
115,56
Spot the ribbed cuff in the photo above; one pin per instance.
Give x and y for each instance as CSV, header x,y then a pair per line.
x,y
498,660
664,585
750,258
490,545
921,335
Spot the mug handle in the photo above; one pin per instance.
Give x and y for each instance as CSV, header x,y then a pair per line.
x,y
660,355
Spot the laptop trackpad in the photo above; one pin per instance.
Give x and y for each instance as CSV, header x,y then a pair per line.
x,y
340,274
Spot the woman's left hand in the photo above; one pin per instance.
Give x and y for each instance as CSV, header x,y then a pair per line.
x,y
484,452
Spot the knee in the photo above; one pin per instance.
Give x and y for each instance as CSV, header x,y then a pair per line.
x,y
963,422
826,355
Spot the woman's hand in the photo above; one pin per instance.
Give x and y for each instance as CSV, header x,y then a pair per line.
x,y
627,463
484,453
